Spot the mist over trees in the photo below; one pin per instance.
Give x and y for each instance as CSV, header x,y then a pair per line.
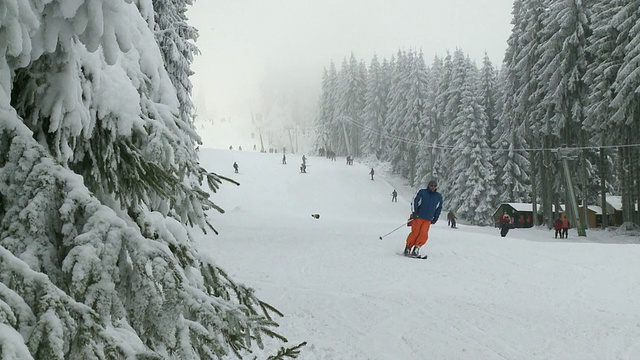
x,y
100,187
566,87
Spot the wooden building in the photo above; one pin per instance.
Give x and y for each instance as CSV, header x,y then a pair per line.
x,y
521,213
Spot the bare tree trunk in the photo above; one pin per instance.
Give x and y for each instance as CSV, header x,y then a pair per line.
x,y
585,183
634,170
534,192
346,139
624,184
545,188
603,188
635,184
546,174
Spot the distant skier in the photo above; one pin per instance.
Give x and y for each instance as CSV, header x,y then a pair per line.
x,y
505,224
394,196
235,167
284,159
371,173
426,206
451,219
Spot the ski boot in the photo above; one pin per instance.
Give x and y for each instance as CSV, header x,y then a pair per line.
x,y
415,252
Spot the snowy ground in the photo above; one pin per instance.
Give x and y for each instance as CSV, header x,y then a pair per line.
x,y
477,296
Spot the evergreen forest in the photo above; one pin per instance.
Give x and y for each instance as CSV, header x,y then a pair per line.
x,y
565,93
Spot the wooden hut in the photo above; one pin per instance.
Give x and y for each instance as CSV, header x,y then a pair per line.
x,y
521,213
594,216
614,209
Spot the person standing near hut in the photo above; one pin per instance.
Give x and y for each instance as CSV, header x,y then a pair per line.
x,y
565,228
558,227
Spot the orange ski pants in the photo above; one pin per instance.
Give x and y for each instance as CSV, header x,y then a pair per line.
x,y
419,232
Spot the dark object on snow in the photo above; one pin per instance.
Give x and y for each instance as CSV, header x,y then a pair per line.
x,y
504,230
315,216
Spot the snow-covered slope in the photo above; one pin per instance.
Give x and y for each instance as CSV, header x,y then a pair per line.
x,y
477,296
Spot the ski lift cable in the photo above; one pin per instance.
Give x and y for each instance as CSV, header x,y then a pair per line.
x,y
448,147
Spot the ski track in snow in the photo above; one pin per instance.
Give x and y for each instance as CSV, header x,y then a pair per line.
x,y
477,296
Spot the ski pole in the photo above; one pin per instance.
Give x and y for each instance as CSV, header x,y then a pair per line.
x,y
385,235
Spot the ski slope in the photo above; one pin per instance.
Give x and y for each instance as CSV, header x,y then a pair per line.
x,y
477,296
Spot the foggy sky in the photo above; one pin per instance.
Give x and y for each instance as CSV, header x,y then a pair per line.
x,y
252,49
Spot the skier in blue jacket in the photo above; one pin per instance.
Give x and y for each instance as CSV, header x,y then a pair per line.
x,y
426,206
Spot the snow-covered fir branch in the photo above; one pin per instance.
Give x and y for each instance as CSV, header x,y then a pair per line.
x,y
99,184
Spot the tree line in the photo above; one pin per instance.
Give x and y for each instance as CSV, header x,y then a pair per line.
x,y
566,89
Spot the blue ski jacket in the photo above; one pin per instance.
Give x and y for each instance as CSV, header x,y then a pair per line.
x,y
427,205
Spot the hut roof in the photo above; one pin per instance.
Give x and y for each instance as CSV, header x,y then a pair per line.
x,y
521,206
616,202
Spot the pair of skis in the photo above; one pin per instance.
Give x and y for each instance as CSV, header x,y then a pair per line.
x,y
413,257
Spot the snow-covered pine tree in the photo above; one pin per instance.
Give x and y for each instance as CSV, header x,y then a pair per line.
x,y
442,96
322,118
427,152
563,66
331,116
414,125
511,162
375,110
363,75
98,182
389,69
451,132
350,104
520,113
397,111
608,57
488,97
471,187
626,104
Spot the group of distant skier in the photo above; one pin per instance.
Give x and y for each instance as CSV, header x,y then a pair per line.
x,y
425,207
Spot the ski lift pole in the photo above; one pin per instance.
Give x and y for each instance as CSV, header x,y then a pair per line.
x,y
572,195
392,231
